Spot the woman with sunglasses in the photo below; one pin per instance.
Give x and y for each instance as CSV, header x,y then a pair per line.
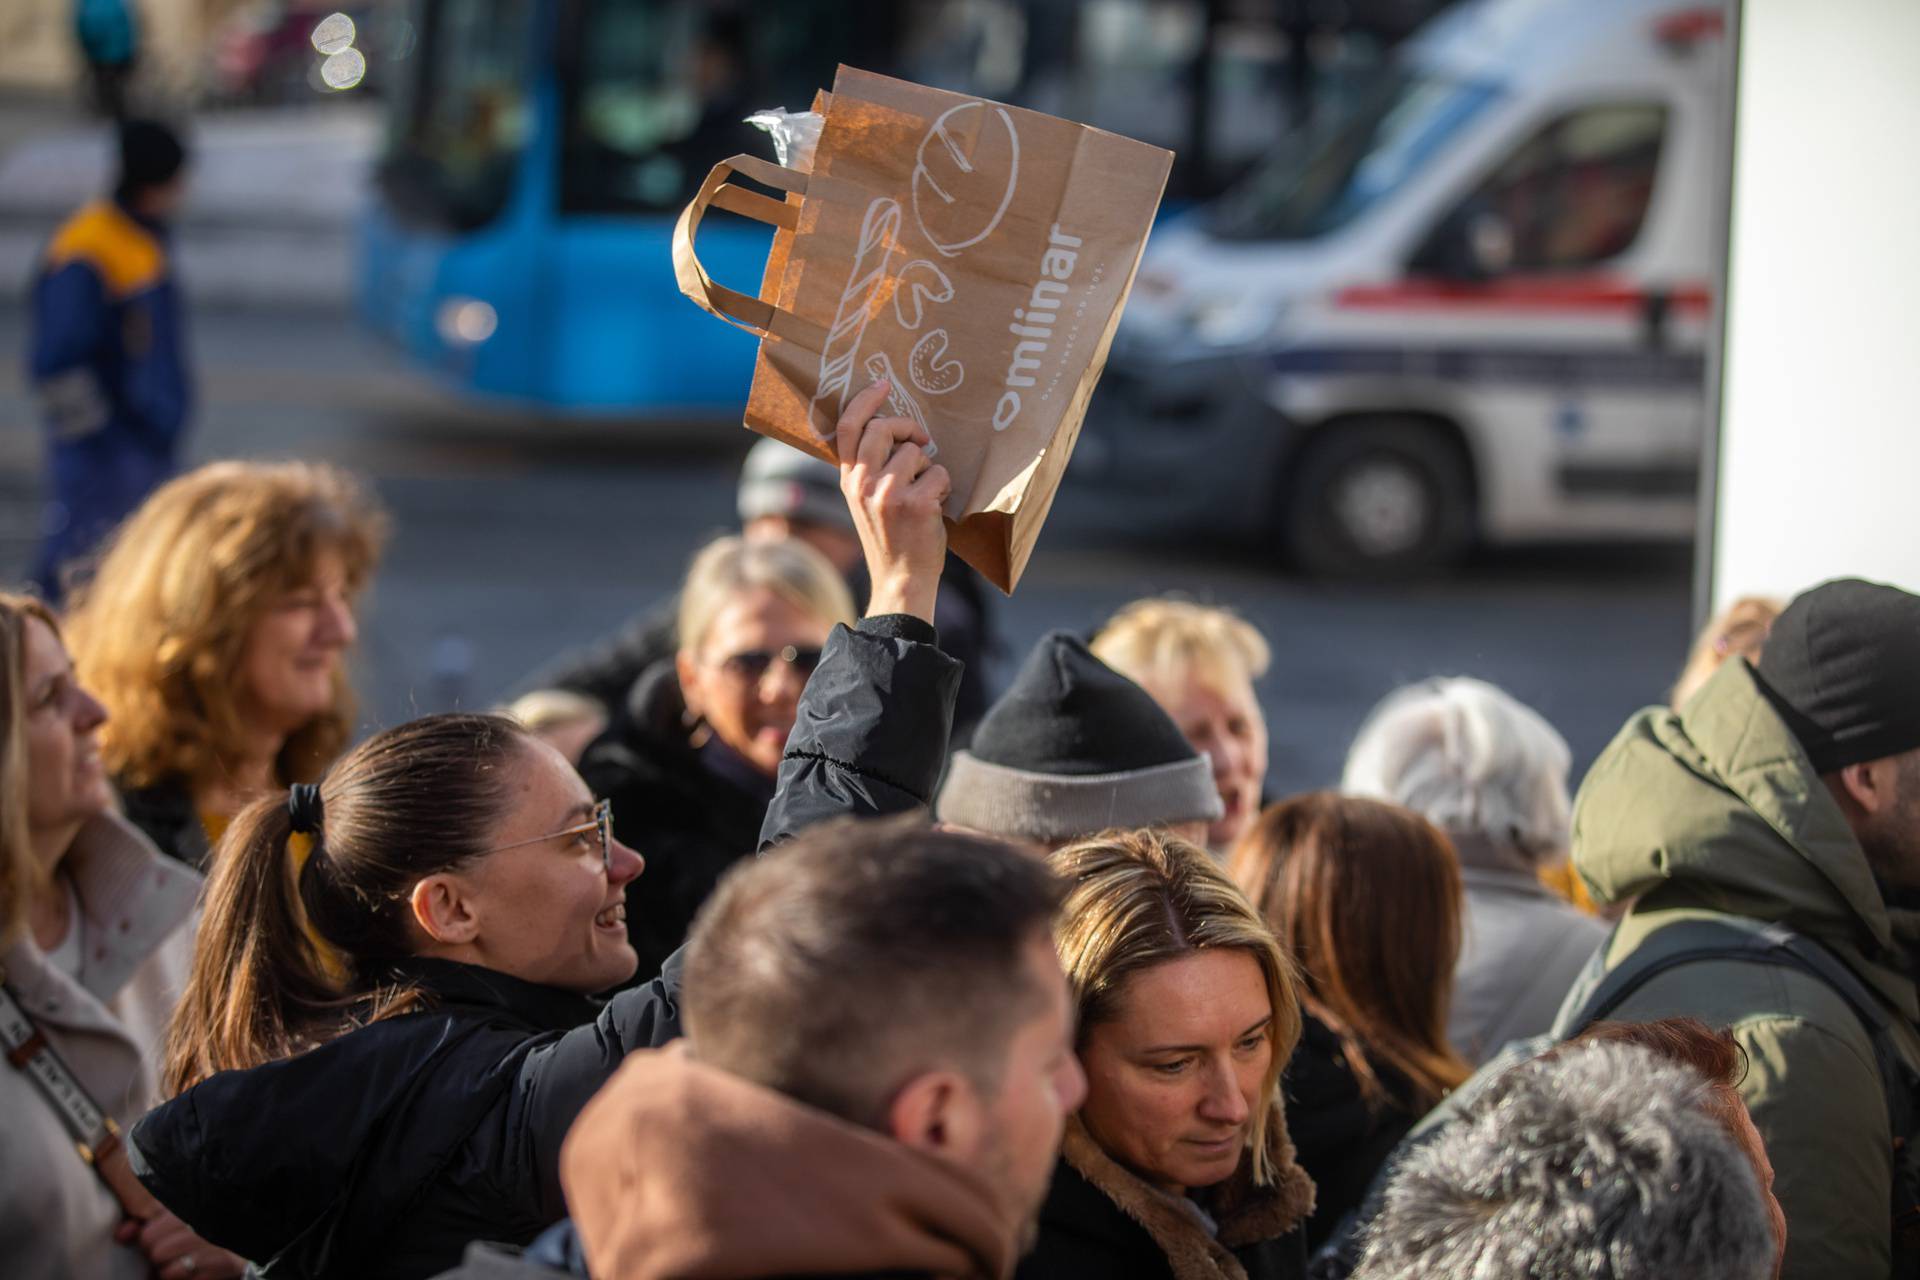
x,y
381,1047
691,762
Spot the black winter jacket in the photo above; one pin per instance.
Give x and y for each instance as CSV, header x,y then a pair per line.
x,y
688,819
871,734
382,1153
1340,1140
385,1152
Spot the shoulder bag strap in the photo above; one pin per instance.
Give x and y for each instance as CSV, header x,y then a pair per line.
x,y
95,1136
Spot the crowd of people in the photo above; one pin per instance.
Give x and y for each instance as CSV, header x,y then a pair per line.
x,y
760,942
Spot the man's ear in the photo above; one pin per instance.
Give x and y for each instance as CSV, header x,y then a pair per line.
x,y
443,910
1869,787
939,1112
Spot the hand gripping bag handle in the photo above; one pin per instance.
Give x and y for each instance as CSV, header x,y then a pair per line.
x,y
744,311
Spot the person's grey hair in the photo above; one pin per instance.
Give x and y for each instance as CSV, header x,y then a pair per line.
x,y
1600,1162
1472,760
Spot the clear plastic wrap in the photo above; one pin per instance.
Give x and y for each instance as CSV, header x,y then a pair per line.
x,y
795,134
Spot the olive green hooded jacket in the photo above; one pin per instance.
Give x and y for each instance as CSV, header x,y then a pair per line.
x,y
1716,809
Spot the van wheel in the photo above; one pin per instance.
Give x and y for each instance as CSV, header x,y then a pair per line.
x,y
1378,498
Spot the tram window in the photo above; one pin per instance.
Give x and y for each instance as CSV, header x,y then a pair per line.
x,y
461,141
654,93
1572,196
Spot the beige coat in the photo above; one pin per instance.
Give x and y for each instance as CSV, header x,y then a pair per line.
x,y
137,915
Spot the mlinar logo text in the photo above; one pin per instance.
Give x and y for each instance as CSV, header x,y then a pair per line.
x,y
1033,323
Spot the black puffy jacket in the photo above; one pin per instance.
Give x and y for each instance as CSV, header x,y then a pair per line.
x,y
385,1152
382,1153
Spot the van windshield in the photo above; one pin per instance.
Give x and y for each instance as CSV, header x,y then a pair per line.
x,y
1336,173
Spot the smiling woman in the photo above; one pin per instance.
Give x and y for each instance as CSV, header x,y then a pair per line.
x,y
1179,1165
215,632
690,761
386,1045
96,933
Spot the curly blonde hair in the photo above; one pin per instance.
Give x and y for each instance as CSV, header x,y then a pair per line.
x,y
159,630
1137,899
21,873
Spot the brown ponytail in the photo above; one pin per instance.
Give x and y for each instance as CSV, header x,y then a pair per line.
x,y
407,803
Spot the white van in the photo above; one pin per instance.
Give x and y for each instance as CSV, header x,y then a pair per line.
x,y
1475,306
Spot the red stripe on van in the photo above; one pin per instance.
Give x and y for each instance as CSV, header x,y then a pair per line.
x,y
1591,293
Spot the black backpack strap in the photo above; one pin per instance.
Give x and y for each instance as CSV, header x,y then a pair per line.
x,y
1668,947
1692,941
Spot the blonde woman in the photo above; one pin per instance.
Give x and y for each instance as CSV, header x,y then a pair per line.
x,y
1199,664
690,767
1178,1165
96,938
215,634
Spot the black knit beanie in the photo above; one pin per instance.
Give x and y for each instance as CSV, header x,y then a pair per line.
x,y
1842,667
1071,748
150,155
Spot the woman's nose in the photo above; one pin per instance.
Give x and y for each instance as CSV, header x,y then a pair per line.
x,y
1223,1102
88,714
624,864
337,623
783,682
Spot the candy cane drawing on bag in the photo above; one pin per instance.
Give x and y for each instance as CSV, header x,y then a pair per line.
x,y
919,283
842,347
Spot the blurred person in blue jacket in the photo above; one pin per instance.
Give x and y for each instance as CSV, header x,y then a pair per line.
x,y
108,359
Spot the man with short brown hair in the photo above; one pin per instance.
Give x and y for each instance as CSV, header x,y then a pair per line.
x,y
878,1066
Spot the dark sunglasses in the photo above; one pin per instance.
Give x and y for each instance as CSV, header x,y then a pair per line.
x,y
751,666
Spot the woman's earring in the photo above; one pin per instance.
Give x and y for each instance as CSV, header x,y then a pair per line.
x,y
699,732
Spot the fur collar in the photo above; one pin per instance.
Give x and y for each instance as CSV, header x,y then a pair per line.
x,y
1247,1214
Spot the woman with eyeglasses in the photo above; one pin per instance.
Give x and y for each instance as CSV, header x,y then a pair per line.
x,y
690,765
382,1046
390,1041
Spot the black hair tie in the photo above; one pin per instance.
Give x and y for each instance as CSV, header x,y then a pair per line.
x,y
304,807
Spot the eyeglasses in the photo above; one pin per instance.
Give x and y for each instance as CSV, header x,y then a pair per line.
x,y
602,821
751,666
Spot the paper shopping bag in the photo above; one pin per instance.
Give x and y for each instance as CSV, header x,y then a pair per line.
x,y
975,255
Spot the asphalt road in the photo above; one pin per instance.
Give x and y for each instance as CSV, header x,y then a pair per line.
x,y
515,538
